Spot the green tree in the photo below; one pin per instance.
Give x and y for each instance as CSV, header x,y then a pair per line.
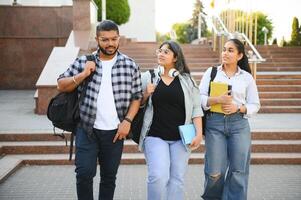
x,y
188,31
263,21
295,36
160,38
117,11
198,8
183,32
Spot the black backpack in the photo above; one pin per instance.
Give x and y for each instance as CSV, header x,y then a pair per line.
x,y
138,119
63,110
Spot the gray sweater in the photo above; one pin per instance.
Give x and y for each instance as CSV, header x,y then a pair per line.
x,y
192,100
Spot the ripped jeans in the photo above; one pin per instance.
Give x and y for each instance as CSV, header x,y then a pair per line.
x,y
227,157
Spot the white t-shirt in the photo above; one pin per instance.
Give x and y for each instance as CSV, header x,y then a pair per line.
x,y
106,114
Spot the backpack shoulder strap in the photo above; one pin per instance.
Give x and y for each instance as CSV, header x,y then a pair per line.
x,y
152,73
212,76
213,73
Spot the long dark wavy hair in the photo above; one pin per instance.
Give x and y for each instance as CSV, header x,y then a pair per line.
x,y
243,63
180,64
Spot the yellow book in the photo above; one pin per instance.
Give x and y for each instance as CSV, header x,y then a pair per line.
x,y
217,89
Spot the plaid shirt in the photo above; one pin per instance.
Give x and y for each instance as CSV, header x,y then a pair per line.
x,y
126,83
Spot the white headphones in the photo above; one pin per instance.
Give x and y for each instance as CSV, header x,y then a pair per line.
x,y
171,73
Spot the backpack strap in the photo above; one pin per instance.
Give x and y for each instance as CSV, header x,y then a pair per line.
x,y
152,72
81,98
71,145
212,76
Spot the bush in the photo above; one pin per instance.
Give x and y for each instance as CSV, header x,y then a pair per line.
x,y
184,32
295,36
117,11
160,38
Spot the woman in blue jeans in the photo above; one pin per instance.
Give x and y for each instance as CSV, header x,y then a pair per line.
x,y
228,137
173,100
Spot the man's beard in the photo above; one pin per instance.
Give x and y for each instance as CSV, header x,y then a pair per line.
x,y
107,53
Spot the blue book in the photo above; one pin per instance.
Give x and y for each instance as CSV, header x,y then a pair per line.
x,y
187,133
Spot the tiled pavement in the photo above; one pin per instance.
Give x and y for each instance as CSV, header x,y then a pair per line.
x,y
267,182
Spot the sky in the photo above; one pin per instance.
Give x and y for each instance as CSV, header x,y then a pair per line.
x,y
280,12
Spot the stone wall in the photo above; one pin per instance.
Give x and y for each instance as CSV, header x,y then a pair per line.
x,y
27,37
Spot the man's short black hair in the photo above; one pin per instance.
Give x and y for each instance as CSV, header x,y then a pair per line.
x,y
107,25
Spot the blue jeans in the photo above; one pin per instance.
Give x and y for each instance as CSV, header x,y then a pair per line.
x,y
227,157
87,151
167,163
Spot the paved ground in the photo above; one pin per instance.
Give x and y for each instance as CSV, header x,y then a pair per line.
x,y
267,182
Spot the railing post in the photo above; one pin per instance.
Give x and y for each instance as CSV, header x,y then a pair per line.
x,y
200,27
253,67
103,10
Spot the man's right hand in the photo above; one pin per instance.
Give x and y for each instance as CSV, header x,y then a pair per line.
x,y
89,68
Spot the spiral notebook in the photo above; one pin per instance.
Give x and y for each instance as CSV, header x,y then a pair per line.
x,y
187,133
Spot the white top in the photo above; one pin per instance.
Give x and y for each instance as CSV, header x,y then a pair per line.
x,y
244,89
106,114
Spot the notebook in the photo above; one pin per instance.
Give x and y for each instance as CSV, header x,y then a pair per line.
x,y
217,89
187,133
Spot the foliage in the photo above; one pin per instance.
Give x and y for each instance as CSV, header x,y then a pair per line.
x,y
184,32
117,11
188,31
262,21
295,35
198,8
283,43
160,38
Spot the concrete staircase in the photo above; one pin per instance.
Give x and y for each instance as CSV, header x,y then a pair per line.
x,y
280,58
268,147
278,79
44,148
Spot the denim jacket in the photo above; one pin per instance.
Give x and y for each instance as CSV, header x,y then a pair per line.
x,y
192,99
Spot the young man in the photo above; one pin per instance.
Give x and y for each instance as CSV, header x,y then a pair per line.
x,y
111,101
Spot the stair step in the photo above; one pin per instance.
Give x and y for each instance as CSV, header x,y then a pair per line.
x,y
279,88
276,135
269,95
280,102
278,82
8,165
138,158
47,137
278,69
280,109
55,147
279,75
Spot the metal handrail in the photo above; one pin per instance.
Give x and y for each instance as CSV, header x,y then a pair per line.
x,y
259,57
